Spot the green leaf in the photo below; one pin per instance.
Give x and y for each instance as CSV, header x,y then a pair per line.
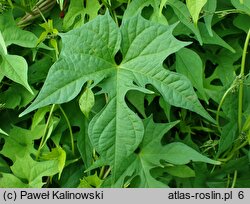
x,y
76,9
28,173
72,175
175,153
190,64
116,131
209,9
183,15
194,7
140,164
244,7
16,96
39,116
21,142
32,171
136,7
136,98
215,40
10,181
15,68
87,101
13,34
59,155
228,136
151,153
179,153
241,22
92,181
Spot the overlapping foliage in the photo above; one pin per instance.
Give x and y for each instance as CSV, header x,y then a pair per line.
x,y
141,93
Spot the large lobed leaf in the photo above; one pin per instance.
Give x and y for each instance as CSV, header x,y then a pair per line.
x,y
151,153
88,54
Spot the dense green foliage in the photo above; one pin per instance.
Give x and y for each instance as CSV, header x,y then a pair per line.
x,y
124,93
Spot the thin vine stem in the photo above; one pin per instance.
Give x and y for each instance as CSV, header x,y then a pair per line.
x,y
234,179
221,103
242,72
45,131
70,130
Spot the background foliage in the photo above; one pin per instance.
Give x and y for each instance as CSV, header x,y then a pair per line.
x,y
124,93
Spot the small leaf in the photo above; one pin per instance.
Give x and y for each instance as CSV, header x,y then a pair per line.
x,y
92,181
15,68
136,7
190,64
76,9
57,154
39,116
194,7
87,101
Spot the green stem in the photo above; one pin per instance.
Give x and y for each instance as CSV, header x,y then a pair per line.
x,y
233,152
70,130
234,179
102,172
242,71
221,103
